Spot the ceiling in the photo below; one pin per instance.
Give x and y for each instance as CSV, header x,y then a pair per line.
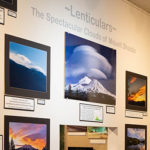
x,y
143,4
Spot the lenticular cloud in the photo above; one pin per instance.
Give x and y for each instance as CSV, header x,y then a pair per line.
x,y
86,60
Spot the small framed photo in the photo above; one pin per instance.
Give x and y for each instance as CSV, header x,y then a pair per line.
x,y
136,91
135,137
22,133
9,4
2,16
1,142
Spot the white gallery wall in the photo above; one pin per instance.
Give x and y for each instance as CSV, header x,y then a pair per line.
x,y
38,20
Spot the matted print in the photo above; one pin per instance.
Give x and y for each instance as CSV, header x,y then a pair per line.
x,y
90,71
135,137
136,91
27,68
26,133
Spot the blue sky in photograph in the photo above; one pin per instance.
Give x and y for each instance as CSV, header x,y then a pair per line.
x,y
29,57
136,133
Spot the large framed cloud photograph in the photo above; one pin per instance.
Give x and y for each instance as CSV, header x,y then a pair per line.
x,y
27,68
135,137
10,4
90,71
22,133
136,91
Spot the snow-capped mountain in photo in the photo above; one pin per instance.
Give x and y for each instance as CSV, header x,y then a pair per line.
x,y
89,85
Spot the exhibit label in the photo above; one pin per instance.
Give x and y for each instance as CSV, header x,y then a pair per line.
x,y
19,103
2,16
110,109
1,142
92,113
134,114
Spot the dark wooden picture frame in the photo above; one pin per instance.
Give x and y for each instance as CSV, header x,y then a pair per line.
x,y
21,91
135,137
9,4
26,121
136,91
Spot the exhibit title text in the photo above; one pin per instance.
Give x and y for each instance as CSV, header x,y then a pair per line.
x,y
88,18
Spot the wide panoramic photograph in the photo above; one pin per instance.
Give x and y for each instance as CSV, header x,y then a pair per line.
x,y
90,71
27,66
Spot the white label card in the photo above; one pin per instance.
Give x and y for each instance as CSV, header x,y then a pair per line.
x,y
1,142
12,13
19,103
110,109
41,101
2,15
134,114
91,113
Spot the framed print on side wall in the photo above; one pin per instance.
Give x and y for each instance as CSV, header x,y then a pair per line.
x,y
136,91
135,137
27,68
10,4
90,71
26,133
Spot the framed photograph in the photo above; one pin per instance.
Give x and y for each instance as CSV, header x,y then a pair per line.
x,y
26,133
1,142
90,71
10,4
2,16
27,68
136,91
135,137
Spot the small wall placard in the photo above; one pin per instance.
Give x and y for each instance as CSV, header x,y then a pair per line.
x,y
92,113
12,13
110,109
41,101
2,15
19,103
134,114
1,142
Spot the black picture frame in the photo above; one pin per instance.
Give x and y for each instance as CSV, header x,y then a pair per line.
x,y
134,105
136,127
16,119
3,22
2,142
12,5
22,92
